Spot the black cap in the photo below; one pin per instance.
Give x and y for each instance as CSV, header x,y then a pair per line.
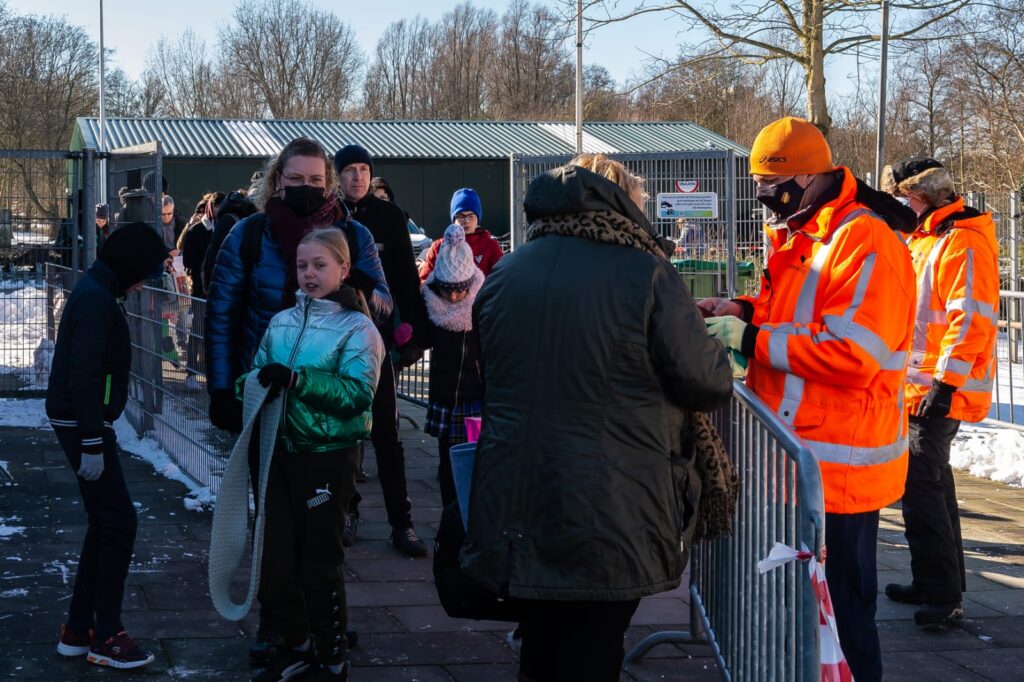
x,y
908,168
350,154
102,211
134,252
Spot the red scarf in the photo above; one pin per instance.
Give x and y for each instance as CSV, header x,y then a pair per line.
x,y
287,230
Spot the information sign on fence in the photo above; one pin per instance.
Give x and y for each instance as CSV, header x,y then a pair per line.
x,y
687,205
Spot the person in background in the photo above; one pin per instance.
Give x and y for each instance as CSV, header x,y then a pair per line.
x,y
236,206
952,365
103,227
326,358
456,386
592,350
467,212
827,340
171,224
387,223
87,392
193,244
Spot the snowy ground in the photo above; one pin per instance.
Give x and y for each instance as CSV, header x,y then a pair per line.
x,y
31,413
24,349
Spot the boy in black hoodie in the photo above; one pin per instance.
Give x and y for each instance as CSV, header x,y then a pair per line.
x,y
87,391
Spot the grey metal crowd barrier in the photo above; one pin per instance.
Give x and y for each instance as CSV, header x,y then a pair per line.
x,y
1008,388
760,626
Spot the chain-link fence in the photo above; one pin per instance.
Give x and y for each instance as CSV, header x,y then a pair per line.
x,y
702,200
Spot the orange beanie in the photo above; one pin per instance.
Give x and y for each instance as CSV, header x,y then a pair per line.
x,y
790,146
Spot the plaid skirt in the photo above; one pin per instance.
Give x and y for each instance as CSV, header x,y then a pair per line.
x,y
450,420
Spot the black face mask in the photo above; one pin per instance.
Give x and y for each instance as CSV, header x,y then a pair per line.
x,y
304,200
782,199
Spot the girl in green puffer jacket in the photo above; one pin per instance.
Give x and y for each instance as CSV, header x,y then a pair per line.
x,y
325,356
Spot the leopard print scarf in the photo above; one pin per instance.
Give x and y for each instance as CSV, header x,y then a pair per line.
x,y
719,482
600,226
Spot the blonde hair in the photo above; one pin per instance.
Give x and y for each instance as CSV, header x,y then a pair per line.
x,y
300,146
617,173
334,240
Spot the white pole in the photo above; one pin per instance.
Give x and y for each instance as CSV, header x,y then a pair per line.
x,y
579,76
880,141
102,184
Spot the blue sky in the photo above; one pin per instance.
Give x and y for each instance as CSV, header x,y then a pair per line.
x,y
131,27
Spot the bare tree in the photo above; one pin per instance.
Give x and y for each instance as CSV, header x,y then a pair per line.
x,y
300,62
185,69
532,74
805,32
461,62
396,77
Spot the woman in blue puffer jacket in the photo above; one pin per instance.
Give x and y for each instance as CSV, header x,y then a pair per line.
x,y
326,358
246,291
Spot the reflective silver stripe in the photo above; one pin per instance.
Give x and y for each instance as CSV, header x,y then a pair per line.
x,y
870,342
948,364
921,378
804,310
965,323
897,362
857,456
778,353
792,396
973,306
925,283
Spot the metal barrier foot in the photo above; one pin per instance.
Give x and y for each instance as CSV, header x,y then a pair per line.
x,y
651,641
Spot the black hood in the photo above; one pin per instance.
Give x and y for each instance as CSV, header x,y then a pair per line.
x,y
888,208
133,253
570,189
236,204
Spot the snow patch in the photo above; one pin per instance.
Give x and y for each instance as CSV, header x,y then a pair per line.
x,y
25,413
990,451
16,592
6,531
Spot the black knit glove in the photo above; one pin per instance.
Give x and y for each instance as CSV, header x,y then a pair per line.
x,y
226,411
362,281
347,297
938,401
408,355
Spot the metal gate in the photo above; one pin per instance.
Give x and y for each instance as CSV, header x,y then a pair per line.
x,y
716,256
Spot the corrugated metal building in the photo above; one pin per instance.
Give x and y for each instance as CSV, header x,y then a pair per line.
x,y
425,161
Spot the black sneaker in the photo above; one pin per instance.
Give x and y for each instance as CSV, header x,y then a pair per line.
x,y
119,651
263,651
318,672
351,530
904,594
407,542
288,664
939,616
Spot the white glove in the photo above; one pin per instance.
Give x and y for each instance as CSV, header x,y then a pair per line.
x,y
91,467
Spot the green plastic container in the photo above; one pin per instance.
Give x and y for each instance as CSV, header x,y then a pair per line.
x,y
708,278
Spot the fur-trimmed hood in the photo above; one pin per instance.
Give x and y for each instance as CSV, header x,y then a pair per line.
x,y
932,185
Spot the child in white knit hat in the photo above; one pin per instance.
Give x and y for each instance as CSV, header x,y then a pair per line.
x,y
456,388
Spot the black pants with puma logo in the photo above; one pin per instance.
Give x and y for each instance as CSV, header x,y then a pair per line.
x,y
301,580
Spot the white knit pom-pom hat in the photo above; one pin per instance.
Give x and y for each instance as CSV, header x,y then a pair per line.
x,y
455,266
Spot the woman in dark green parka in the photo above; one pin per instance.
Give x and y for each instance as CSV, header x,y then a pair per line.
x,y
592,352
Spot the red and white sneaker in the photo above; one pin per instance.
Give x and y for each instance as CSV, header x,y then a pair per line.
x,y
119,651
72,643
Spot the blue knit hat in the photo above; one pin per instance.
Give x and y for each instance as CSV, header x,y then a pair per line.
x,y
466,199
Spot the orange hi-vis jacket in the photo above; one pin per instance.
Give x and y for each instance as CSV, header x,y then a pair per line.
x,y
836,316
957,309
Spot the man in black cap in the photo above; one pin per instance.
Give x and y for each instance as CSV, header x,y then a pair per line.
x,y
102,225
387,223
87,392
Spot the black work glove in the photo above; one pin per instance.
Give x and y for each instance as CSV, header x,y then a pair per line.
x,y
226,411
362,281
938,400
408,355
347,297
276,375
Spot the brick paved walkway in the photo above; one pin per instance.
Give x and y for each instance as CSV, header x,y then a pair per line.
x,y
405,634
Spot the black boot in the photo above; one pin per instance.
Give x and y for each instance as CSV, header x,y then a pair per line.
x,y
904,594
938,616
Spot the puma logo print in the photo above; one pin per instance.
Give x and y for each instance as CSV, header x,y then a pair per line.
x,y
322,495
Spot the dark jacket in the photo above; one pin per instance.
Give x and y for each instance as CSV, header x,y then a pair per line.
x,y
92,356
387,223
193,252
592,352
238,311
234,208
